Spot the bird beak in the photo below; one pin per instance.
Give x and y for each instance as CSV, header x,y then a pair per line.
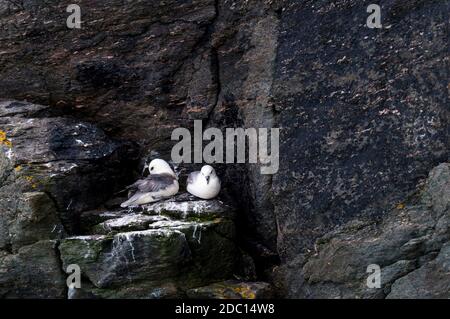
x,y
145,167
207,179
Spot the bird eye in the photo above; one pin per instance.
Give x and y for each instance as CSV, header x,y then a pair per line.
x,y
151,168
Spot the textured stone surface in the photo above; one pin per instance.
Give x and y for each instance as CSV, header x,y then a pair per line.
x,y
34,272
139,64
410,245
73,162
36,219
363,115
429,281
143,253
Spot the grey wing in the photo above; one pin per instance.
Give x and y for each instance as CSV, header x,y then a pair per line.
x,y
137,184
192,177
155,183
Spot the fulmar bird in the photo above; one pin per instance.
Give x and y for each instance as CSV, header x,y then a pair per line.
x,y
204,184
160,184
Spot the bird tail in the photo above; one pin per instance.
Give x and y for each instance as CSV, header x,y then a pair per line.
x,y
124,190
132,201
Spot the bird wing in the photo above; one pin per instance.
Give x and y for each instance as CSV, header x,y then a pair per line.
x,y
155,183
192,177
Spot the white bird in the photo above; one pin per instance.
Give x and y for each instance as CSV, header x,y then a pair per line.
x,y
160,184
204,184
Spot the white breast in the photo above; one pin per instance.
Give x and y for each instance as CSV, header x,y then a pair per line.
x,y
203,190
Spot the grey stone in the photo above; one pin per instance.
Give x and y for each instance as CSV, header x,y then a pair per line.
x,y
72,161
33,272
137,255
150,255
36,219
431,281
403,245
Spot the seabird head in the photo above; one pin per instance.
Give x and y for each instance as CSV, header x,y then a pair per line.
x,y
207,171
159,166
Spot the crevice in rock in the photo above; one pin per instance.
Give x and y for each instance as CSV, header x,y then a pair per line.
x,y
58,211
215,66
417,266
61,266
216,71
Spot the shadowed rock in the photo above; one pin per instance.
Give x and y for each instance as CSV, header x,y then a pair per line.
x,y
73,162
410,245
33,272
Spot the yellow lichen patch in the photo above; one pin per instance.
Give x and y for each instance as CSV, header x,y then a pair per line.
x,y
245,293
18,168
401,206
32,181
4,140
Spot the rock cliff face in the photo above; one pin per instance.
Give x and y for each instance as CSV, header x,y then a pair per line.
x,y
364,119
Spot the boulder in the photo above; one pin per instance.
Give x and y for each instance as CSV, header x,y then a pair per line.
x,y
71,161
154,251
431,281
33,272
410,246
36,220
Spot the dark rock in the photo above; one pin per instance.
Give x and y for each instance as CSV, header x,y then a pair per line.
x,y
363,116
73,162
136,65
36,220
33,272
246,43
397,244
431,281
150,255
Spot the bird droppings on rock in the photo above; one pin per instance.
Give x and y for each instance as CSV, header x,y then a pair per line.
x,y
148,248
